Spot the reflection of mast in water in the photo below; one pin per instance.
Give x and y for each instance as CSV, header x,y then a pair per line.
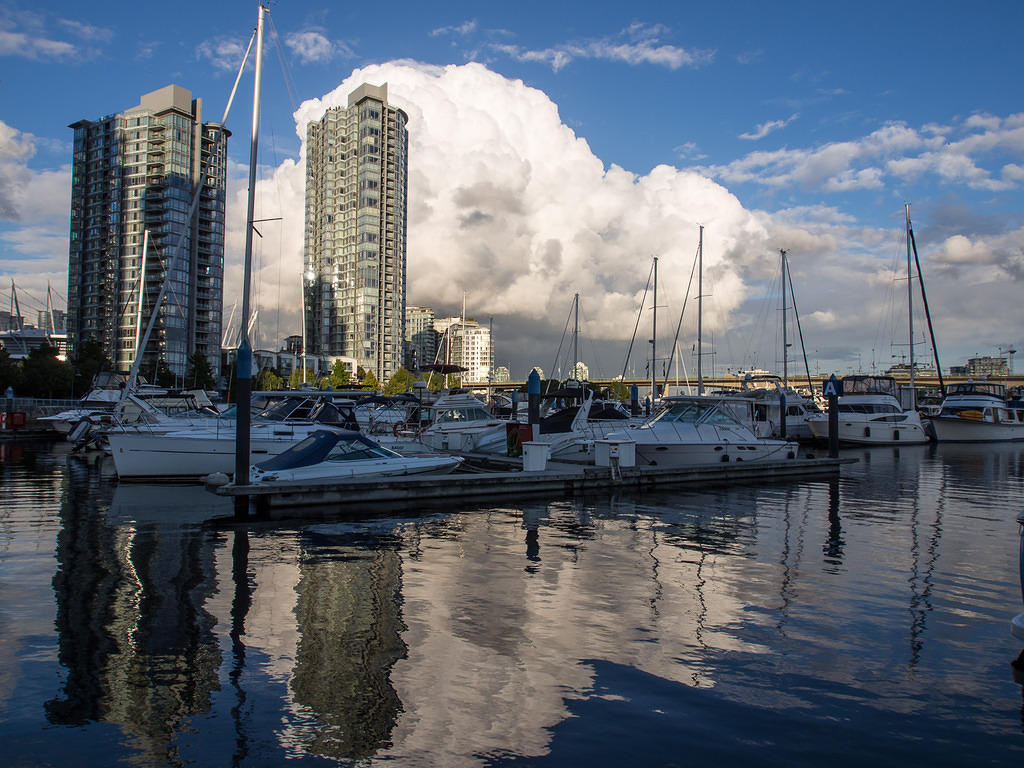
x,y
790,571
921,583
240,604
702,611
348,614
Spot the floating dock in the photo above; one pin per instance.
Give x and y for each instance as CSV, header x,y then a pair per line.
x,y
558,479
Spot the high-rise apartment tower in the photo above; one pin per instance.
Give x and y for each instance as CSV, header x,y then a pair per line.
x,y
420,337
137,172
355,242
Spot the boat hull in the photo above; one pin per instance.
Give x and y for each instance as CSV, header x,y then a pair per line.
x,y
347,470
698,454
959,430
145,456
872,432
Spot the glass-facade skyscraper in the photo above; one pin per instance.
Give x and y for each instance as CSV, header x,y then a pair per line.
x,y
355,240
134,173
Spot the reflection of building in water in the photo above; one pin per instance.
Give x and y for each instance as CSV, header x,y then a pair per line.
x,y
134,636
349,619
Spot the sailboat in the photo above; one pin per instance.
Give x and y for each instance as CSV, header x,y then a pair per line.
x,y
702,429
779,410
871,411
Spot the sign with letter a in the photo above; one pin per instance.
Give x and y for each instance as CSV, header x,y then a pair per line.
x,y
832,387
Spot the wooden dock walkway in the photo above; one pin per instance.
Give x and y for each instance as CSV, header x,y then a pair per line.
x,y
559,479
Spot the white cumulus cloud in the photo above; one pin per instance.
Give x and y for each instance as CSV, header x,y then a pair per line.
x,y
510,207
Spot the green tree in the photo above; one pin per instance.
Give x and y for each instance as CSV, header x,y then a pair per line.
x,y
295,381
163,376
10,372
370,382
268,380
400,382
617,390
90,361
43,375
340,376
200,375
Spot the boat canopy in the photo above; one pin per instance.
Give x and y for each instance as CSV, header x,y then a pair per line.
x,y
310,408
326,445
869,385
986,388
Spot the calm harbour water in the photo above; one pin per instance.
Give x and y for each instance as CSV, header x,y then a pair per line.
x,y
862,619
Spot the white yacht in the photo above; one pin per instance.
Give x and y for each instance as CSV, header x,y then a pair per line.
x,y
334,455
456,422
870,413
702,430
191,453
978,411
766,392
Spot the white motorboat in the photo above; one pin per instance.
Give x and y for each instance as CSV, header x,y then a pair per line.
x,y
978,411
767,393
333,455
103,405
702,430
870,413
452,422
194,452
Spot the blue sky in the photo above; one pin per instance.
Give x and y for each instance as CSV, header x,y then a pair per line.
x,y
803,126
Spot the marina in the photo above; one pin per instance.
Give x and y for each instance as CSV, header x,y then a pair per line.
x,y
361,526
863,615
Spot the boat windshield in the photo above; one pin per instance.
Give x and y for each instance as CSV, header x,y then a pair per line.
x,y
289,407
460,415
356,450
868,408
694,412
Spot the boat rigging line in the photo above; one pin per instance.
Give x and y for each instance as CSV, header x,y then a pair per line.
x,y
912,243
179,246
800,331
629,350
673,358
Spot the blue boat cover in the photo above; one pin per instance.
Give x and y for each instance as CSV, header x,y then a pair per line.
x,y
313,450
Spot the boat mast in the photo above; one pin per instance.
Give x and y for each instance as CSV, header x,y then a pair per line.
x,y
302,309
576,338
927,312
142,295
785,345
244,355
700,309
654,336
910,304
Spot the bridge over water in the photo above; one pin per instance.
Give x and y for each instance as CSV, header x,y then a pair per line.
x,y
732,382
